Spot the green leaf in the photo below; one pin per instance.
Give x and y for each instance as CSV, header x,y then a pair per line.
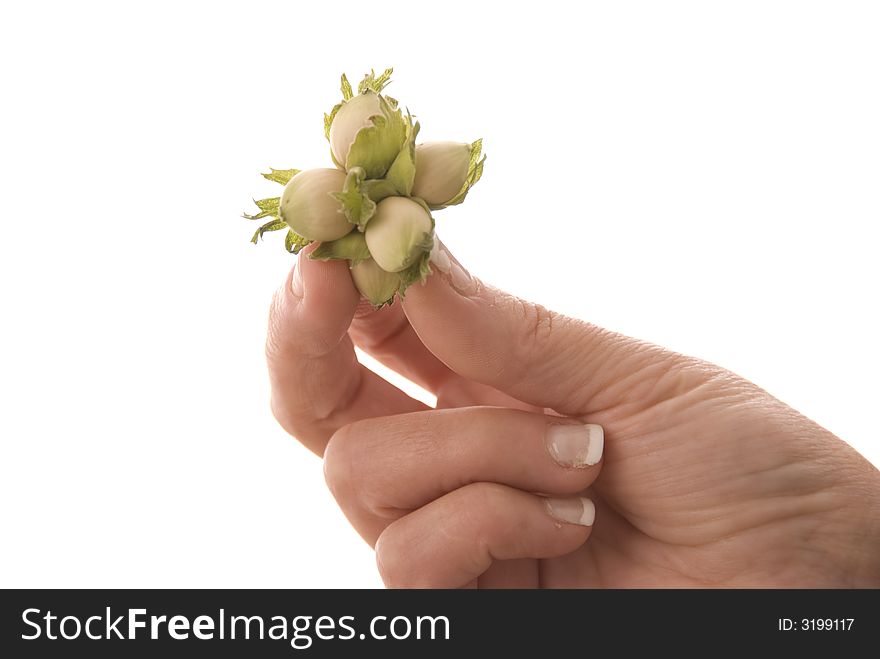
x,y
417,272
475,171
347,94
372,82
273,225
378,189
294,242
269,204
281,176
352,247
420,269
402,172
346,88
380,82
328,119
376,147
267,207
357,206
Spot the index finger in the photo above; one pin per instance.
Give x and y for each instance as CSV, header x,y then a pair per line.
x,y
318,385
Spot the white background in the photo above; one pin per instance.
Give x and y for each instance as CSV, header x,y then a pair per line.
x,y
700,175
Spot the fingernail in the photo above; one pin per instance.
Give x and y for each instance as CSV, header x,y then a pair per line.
x,y
579,511
296,284
460,279
439,257
575,444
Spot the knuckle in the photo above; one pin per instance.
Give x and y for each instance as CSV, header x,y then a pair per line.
x,y
390,559
316,342
338,462
297,424
533,322
537,326
364,464
281,413
478,518
539,322
310,341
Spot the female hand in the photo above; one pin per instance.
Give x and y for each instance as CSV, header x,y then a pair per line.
x,y
706,480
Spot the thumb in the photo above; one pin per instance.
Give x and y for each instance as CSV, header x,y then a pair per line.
x,y
536,355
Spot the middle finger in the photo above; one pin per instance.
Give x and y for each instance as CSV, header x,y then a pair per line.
x,y
380,469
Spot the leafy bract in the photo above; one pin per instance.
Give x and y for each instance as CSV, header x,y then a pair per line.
x,y
267,207
281,176
376,147
357,206
402,172
352,247
475,171
294,242
274,225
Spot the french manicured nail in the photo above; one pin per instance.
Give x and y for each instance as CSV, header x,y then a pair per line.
x,y
439,257
579,510
296,284
443,260
461,278
575,444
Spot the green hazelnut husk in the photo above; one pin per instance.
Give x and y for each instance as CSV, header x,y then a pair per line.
x,y
400,231
308,207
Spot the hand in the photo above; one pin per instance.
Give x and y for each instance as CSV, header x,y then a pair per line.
x,y
706,480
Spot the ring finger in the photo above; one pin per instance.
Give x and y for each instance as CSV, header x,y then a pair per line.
x,y
382,468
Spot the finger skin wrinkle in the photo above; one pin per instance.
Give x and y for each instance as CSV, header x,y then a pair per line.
x,y
328,413
314,415
306,343
380,344
365,309
274,337
530,337
647,378
645,385
323,395
538,322
470,527
538,329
